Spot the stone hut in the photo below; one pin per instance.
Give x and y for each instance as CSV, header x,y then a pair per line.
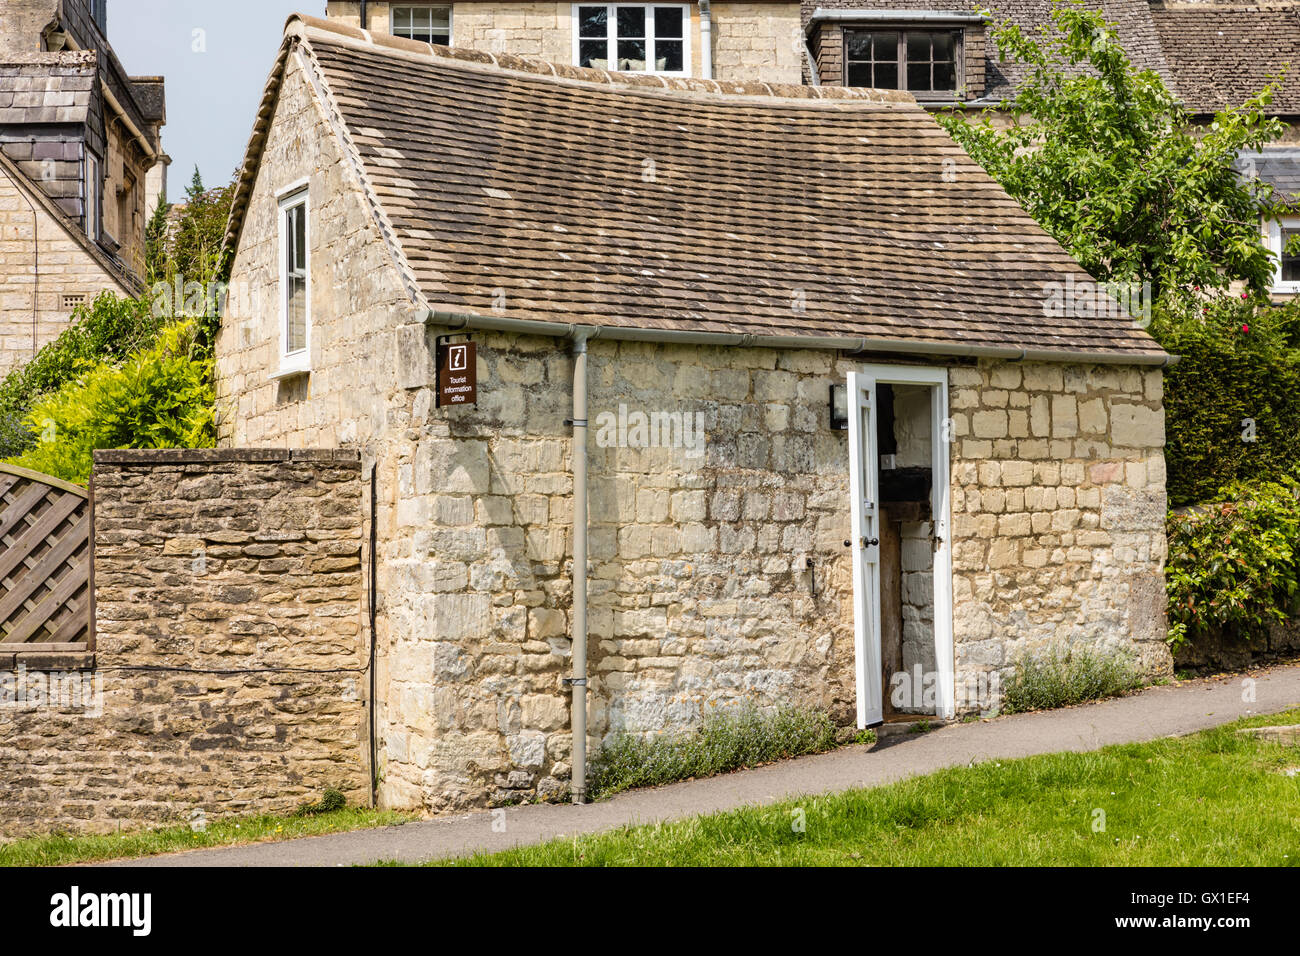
x,y
852,431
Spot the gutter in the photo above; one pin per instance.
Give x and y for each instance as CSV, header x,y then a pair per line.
x,y
463,321
821,14
126,121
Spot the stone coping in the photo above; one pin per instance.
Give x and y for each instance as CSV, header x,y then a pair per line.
x,y
212,456
39,660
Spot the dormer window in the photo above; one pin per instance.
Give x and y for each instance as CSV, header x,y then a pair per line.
x,y
925,63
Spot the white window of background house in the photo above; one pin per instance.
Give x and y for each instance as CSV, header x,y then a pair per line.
x,y
632,38
424,23
295,281
1286,271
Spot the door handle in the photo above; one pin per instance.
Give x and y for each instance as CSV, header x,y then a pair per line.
x,y
870,542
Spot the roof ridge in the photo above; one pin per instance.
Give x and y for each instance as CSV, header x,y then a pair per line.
x,y
308,27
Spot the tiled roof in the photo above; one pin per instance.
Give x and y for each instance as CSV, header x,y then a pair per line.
x,y
46,88
1221,52
590,198
1133,24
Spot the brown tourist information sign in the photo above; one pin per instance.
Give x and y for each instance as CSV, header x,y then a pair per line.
x,y
457,374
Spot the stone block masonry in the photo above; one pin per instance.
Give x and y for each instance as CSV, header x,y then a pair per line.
x,y
229,660
1058,512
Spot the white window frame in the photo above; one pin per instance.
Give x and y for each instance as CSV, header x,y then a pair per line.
x,y
451,17
611,36
1275,228
295,194
93,187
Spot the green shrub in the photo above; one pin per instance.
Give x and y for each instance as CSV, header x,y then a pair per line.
x,y
1068,675
107,330
161,397
728,740
1232,403
1234,567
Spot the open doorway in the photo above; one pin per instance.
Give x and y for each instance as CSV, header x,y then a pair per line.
x,y
898,446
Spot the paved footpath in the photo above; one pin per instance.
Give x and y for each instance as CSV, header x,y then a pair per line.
x,y
1158,712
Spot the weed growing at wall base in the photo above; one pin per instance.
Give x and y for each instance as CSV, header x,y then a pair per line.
x,y
1065,675
727,740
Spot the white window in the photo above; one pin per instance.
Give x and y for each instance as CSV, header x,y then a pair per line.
x,y
93,187
1286,270
426,24
295,281
632,38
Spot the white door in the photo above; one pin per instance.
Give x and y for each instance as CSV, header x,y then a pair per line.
x,y
865,547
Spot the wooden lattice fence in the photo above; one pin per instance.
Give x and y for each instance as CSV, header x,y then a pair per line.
x,y
45,587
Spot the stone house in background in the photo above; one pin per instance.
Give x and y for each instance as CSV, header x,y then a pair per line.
x,y
852,432
1212,53
81,168
746,39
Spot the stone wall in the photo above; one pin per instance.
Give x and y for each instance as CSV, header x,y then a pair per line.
x,y
66,269
702,558
228,673
355,308
1059,509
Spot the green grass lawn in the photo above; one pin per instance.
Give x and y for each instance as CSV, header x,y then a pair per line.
x,y
59,849
1214,798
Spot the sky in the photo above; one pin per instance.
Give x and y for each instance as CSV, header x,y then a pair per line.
x,y
216,55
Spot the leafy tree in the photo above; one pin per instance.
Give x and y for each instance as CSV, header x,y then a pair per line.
x,y
195,250
1110,163
106,331
160,397
155,243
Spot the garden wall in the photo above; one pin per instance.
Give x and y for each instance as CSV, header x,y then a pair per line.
x,y
228,666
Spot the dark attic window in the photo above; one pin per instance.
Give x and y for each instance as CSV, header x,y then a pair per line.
x,y
926,63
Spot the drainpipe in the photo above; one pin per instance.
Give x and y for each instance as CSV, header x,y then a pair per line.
x,y
706,40
579,679
365,15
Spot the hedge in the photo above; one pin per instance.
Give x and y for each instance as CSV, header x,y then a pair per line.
x,y
1234,566
1232,403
